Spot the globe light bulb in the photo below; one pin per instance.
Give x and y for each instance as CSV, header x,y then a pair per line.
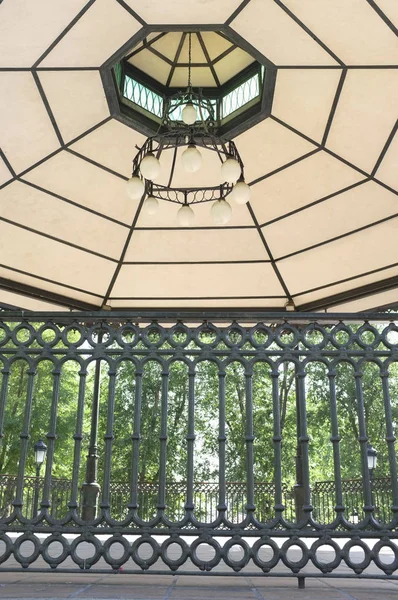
x,y
241,193
221,212
185,216
189,114
135,187
150,206
191,159
150,167
230,170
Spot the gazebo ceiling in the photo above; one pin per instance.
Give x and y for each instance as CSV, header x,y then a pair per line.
x,y
321,228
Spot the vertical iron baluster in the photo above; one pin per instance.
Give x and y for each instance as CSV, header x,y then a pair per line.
x,y
335,439
24,437
277,440
363,441
303,441
135,440
78,437
3,399
51,436
91,488
222,507
249,438
390,439
108,439
161,505
190,437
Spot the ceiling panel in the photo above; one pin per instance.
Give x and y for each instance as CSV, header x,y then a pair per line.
x,y
267,146
81,107
303,98
23,204
260,302
297,186
388,171
215,44
365,115
181,11
87,185
345,286
353,30
265,25
27,134
48,258
196,245
364,251
28,28
341,214
231,64
112,145
200,77
26,303
168,44
152,65
174,281
370,302
102,30
54,286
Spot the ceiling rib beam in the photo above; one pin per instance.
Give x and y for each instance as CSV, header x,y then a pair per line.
x,y
351,295
383,16
48,108
124,251
334,106
145,44
207,57
39,278
311,204
337,237
385,148
46,296
56,239
63,33
131,12
345,280
73,203
236,12
309,32
176,57
267,249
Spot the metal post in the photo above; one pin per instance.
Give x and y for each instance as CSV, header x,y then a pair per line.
x,y
36,496
372,500
91,488
298,487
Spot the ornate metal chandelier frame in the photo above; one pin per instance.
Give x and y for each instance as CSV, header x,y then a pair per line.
x,y
178,137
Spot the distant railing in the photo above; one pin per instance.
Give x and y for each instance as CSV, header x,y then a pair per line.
x,y
205,499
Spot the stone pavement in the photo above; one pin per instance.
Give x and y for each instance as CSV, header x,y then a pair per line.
x,y
183,587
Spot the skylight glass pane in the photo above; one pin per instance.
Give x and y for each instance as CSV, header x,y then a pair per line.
x,y
142,96
240,96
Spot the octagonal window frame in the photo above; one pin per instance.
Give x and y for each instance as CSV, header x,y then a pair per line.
x,y
114,71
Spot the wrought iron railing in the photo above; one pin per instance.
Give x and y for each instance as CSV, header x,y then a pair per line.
x,y
205,499
120,420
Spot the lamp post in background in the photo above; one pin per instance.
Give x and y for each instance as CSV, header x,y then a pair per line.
x,y
372,464
40,456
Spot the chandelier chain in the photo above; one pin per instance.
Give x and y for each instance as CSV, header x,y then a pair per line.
x,y
189,59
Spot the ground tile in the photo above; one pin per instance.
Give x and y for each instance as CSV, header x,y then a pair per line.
x,y
38,591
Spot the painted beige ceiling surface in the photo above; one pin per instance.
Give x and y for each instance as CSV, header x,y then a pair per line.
x,y
321,229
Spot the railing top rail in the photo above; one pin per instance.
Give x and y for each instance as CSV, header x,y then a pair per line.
x,y
220,316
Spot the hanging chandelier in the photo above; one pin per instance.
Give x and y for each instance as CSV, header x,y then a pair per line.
x,y
188,121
